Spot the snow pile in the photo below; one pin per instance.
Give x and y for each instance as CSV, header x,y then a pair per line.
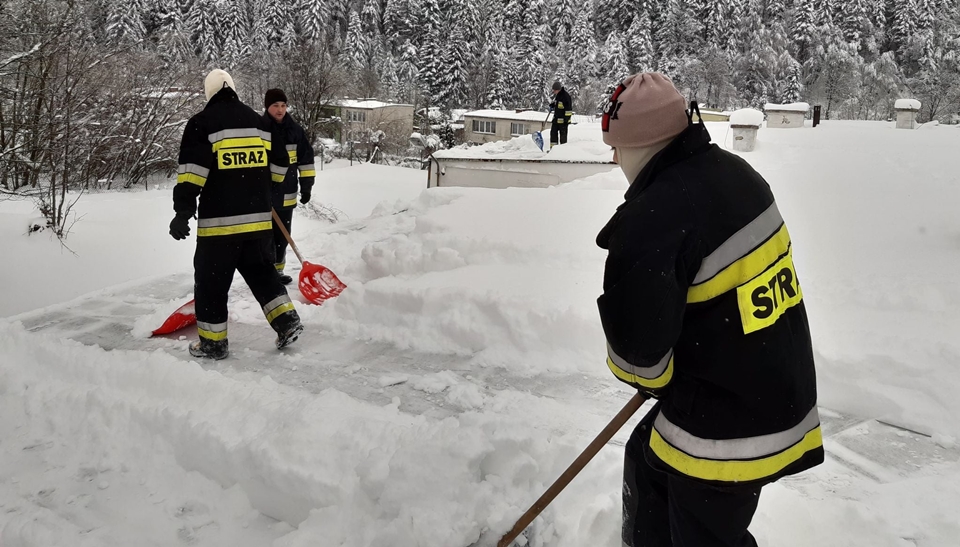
x,y
907,104
747,116
789,107
586,151
522,116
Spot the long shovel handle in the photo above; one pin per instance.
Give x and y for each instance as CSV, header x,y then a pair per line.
x,y
286,234
578,464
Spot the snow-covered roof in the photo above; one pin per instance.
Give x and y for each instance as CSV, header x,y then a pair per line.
x,y
790,107
368,104
523,148
907,104
746,116
523,116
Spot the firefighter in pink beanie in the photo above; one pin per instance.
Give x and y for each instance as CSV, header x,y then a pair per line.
x,y
703,311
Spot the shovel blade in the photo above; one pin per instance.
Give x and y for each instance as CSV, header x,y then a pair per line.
x,y
184,317
318,283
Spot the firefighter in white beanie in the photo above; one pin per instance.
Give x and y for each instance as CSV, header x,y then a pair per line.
x,y
229,160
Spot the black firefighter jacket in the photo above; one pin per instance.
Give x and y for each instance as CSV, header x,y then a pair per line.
x,y
227,159
562,108
702,308
300,154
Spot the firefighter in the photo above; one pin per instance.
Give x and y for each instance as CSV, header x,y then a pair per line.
x,y
562,107
702,310
229,160
300,154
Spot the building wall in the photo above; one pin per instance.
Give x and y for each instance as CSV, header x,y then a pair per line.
x,y
784,119
510,173
503,129
906,119
394,120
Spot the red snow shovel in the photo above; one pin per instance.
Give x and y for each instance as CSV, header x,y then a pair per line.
x,y
183,317
578,464
317,283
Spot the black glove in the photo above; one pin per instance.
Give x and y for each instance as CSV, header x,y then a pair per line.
x,y
304,196
179,227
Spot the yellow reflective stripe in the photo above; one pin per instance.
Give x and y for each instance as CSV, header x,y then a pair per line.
x,y
732,470
308,173
769,295
280,266
742,270
292,155
239,142
279,310
192,178
568,113
289,202
559,121
210,335
277,178
235,229
648,383
559,105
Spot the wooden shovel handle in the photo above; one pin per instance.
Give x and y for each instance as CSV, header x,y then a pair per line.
x,y
286,234
578,464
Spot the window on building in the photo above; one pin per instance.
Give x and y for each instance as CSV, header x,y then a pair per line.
x,y
357,116
517,129
484,126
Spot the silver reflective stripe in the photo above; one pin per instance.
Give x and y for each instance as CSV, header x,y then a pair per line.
x,y
237,133
650,373
307,167
234,220
740,244
275,303
277,170
736,449
265,135
193,168
212,327
291,147
292,196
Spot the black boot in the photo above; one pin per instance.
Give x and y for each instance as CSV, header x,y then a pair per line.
x,y
284,278
209,349
290,335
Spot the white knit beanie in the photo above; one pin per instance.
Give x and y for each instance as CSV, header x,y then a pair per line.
x,y
215,81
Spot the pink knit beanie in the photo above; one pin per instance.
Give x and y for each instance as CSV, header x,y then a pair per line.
x,y
644,110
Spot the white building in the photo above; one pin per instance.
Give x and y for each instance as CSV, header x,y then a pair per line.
x,y
482,126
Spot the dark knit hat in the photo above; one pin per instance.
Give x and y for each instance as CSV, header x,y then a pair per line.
x,y
274,96
557,86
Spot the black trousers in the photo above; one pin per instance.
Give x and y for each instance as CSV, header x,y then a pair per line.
x,y
663,510
280,242
214,264
558,133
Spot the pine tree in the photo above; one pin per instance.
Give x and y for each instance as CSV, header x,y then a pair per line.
x,y
235,32
125,22
904,24
854,20
804,28
353,56
408,73
203,24
371,18
640,45
315,17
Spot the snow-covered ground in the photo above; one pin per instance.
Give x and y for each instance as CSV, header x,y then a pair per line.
x,y
463,368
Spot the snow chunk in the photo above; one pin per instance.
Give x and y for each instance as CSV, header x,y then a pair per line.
x,y
523,116
791,107
907,104
747,116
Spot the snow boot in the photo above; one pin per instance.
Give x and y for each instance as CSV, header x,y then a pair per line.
x,y
208,349
290,335
285,279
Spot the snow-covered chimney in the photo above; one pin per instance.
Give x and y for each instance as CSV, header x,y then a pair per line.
x,y
745,123
907,113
